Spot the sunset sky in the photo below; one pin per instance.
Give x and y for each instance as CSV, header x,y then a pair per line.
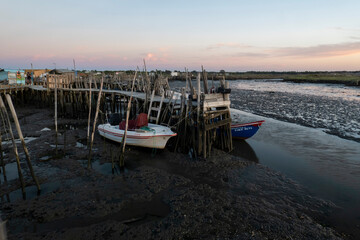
x,y
237,35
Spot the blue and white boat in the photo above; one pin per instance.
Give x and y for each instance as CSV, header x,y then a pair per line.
x,y
245,130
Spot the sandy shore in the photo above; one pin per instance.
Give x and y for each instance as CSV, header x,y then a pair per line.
x,y
162,195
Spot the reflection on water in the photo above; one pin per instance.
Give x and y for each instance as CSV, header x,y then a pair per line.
x,y
310,152
327,165
105,168
244,150
11,172
30,192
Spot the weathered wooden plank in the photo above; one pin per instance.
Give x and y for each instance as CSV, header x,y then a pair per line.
x,y
217,124
214,96
217,104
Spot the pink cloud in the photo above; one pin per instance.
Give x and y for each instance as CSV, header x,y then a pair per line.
x,y
325,50
150,56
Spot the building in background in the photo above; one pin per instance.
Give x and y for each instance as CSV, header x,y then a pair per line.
x,y
36,72
3,75
12,77
175,74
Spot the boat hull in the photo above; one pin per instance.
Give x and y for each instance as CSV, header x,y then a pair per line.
x,y
246,130
156,138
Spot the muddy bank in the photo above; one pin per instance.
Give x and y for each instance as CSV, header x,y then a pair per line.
x,y
346,82
160,194
336,116
335,108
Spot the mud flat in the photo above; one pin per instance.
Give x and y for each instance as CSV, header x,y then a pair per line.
x,y
337,116
160,194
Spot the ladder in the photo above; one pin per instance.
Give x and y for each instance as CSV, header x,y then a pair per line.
x,y
168,107
177,108
154,108
175,112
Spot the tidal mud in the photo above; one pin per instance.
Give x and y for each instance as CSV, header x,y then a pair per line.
x,y
159,194
336,115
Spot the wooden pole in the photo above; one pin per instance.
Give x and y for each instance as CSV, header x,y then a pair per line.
x,y
47,82
3,109
95,119
227,97
147,88
2,156
204,141
205,80
56,127
198,112
32,74
74,69
198,97
88,129
181,137
123,142
112,159
188,104
186,81
17,124
222,82
190,83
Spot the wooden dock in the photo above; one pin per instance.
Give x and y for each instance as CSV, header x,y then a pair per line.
x,y
201,119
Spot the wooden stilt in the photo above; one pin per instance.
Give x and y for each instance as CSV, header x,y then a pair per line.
x,y
204,77
88,129
12,109
147,88
112,159
21,178
123,142
190,84
56,126
198,113
95,119
2,156
112,102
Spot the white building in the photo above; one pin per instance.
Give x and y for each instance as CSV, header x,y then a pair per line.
x,y
175,74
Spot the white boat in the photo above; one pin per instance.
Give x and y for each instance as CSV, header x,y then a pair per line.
x,y
152,136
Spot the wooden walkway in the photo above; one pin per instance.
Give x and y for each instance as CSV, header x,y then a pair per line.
x,y
137,95
201,119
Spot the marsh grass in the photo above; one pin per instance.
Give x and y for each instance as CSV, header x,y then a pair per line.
x,y
347,78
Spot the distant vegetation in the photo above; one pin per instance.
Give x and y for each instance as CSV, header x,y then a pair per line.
x,y
348,78
344,77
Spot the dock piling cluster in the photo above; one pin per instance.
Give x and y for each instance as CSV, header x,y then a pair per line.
x,y
201,117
